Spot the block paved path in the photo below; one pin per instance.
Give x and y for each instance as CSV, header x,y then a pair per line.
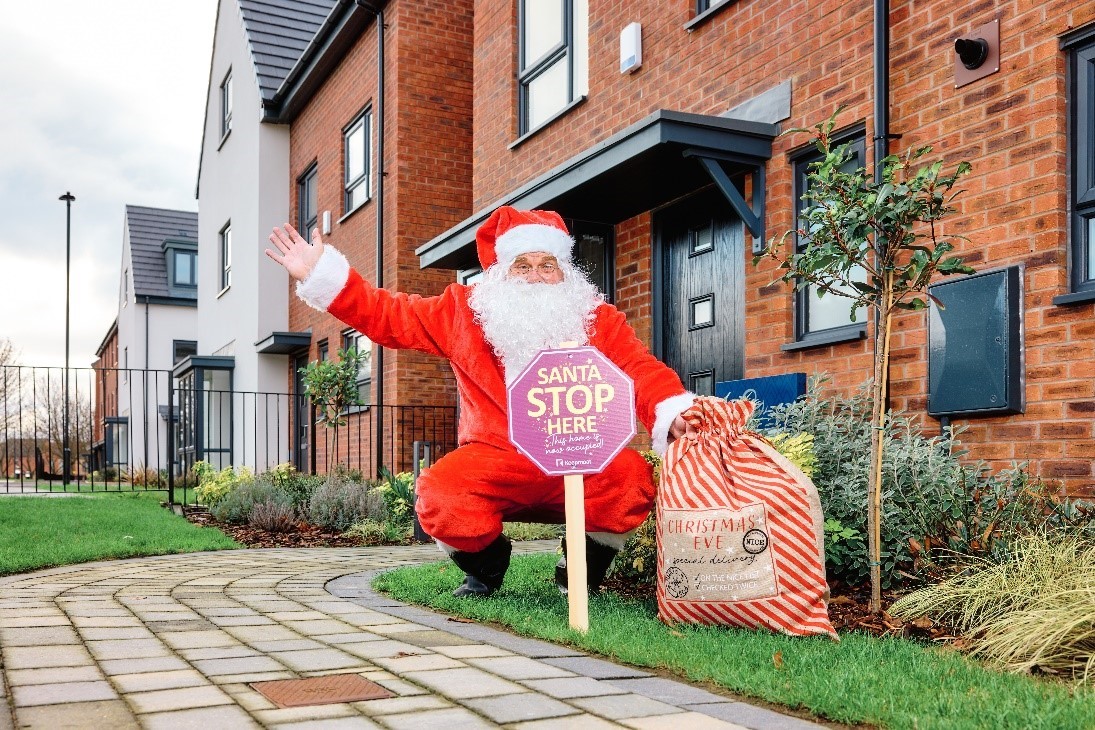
x,y
174,641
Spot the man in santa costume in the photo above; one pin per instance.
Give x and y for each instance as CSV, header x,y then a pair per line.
x,y
531,297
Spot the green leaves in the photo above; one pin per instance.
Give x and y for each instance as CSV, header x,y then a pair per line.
x,y
332,385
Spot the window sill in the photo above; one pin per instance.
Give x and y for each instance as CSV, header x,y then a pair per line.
x,y
224,138
706,14
1079,297
350,213
223,291
547,123
835,337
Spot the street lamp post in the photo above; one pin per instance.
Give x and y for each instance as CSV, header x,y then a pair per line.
x,y
65,451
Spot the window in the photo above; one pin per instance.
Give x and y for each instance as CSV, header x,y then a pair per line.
x,y
125,287
323,355
226,104
182,349
356,154
116,437
307,206
1081,105
361,343
826,318
552,61
226,256
705,5
125,364
185,273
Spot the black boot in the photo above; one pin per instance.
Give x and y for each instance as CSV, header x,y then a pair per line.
x,y
485,569
598,559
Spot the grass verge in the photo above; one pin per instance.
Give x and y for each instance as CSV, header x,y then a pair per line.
x,y
890,682
44,532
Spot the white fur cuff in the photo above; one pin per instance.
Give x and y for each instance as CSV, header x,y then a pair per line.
x,y
664,414
326,281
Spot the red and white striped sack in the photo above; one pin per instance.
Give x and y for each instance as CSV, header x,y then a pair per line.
x,y
740,530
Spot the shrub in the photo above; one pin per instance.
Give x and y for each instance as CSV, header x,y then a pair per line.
x,y
339,502
397,491
1034,610
300,487
214,485
236,505
148,478
273,515
374,532
532,531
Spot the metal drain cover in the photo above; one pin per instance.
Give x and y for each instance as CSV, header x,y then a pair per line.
x,y
321,690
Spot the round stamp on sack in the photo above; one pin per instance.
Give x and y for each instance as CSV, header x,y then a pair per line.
x,y
755,542
676,583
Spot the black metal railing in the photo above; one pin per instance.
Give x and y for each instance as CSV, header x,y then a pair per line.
x,y
132,430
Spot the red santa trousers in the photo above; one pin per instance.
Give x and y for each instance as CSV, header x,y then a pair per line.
x,y
463,498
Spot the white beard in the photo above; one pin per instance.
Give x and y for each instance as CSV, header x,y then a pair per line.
x,y
520,319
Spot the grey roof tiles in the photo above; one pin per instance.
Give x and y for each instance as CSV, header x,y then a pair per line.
x,y
278,32
148,227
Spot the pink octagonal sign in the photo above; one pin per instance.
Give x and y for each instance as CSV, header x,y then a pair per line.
x,y
571,411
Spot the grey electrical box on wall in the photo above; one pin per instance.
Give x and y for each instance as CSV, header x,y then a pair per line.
x,y
975,348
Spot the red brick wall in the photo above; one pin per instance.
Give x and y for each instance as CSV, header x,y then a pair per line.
x,y
427,164
1011,126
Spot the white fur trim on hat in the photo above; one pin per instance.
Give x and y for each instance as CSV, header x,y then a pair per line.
x,y
326,281
530,237
664,414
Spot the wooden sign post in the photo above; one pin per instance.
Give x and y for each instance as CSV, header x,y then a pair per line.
x,y
571,411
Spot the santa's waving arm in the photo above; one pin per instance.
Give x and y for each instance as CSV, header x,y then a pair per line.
x,y
326,282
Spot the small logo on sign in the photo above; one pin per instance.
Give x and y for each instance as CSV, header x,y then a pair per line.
x,y
676,583
755,542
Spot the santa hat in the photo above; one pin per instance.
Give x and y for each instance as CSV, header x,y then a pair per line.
x,y
509,232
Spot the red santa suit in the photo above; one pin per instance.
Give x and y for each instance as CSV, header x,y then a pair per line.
x,y
464,497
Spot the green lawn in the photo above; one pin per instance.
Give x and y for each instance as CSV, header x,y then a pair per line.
x,y
892,683
43,532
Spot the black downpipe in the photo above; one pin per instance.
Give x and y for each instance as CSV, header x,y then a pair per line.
x,y
881,107
146,369
378,365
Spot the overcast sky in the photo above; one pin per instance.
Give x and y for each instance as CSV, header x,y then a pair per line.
x,y
104,98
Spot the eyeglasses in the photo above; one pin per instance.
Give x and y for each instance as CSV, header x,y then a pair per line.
x,y
544,269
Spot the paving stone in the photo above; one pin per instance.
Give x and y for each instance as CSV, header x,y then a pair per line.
x,y
178,699
40,636
254,620
432,637
251,634
147,681
290,616
396,705
89,673
617,707
519,707
667,690
288,645
124,632
355,722
252,677
418,662
573,722
466,651
248,698
197,639
518,667
112,714
129,620
218,652
455,718
36,657
199,719
151,664
57,693
596,668
180,625
319,626
295,714
376,649
464,683
237,665
399,686
690,720
751,716
31,621
567,687
127,649
348,637
315,660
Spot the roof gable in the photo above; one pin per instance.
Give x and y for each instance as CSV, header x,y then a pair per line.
x,y
148,228
277,32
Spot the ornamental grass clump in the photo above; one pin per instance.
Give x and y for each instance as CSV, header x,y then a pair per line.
x,y
340,502
1034,611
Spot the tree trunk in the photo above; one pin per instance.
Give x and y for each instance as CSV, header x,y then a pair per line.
x,y
878,423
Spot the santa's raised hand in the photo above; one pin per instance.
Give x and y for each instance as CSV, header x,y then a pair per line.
x,y
294,253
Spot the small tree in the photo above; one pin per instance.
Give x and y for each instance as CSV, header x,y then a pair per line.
x,y
875,243
332,387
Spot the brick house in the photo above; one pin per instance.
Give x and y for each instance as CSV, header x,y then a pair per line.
x,y
672,170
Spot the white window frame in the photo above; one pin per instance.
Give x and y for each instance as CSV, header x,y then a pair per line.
x,y
572,50
225,238
351,185
361,343
226,104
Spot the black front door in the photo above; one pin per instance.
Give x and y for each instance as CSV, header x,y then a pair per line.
x,y
703,290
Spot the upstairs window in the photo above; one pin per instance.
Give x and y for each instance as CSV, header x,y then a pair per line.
x,y
125,287
184,271
226,256
307,203
1081,147
825,318
182,349
356,155
226,104
552,65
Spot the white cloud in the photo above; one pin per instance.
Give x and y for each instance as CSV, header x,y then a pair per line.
x,y
106,100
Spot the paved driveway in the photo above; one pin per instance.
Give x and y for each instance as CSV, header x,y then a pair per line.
x,y
176,641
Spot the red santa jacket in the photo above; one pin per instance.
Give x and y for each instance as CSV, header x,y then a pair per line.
x,y
445,325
